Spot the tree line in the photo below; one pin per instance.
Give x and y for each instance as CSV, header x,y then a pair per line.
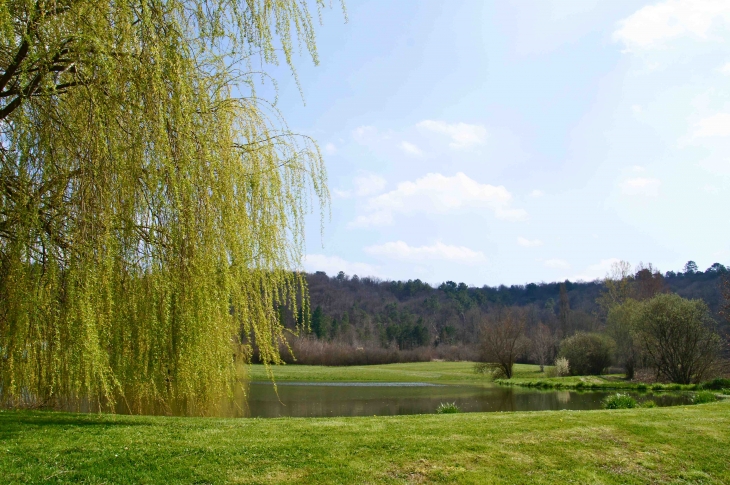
x,y
537,321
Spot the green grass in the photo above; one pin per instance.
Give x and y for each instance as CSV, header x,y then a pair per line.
x,y
685,444
433,372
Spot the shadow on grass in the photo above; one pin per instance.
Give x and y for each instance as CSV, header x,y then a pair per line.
x,y
13,422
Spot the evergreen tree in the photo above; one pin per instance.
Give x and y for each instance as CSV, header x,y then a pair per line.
x,y
318,324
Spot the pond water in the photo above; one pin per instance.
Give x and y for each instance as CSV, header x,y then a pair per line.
x,y
299,399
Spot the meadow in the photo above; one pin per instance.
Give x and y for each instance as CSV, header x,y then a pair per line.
x,y
681,444
685,444
431,372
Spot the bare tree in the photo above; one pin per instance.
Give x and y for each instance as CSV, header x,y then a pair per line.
x,y
725,289
648,282
621,325
503,339
564,314
616,286
543,345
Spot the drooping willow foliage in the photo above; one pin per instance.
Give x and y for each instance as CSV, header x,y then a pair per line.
x,y
151,206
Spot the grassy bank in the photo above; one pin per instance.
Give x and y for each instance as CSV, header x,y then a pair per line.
x,y
525,375
592,382
680,444
432,372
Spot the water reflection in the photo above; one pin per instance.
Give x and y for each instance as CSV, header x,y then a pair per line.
x,y
318,399
383,399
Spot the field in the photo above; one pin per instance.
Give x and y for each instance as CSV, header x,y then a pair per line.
x,y
525,375
661,445
433,372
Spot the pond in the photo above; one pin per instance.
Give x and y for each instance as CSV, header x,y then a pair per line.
x,y
305,399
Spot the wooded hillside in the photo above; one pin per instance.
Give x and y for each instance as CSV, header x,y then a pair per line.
x,y
368,312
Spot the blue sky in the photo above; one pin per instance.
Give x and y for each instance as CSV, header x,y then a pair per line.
x,y
504,143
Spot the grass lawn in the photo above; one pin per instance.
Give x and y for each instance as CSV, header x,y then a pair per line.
x,y
662,445
433,372
525,375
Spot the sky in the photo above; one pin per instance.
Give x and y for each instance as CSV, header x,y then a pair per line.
x,y
512,142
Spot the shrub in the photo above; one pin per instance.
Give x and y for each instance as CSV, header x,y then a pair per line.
x,y
588,353
447,408
481,368
717,384
703,397
648,404
495,370
619,401
679,337
642,387
562,367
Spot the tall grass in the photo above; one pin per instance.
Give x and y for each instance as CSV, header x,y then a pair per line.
x,y
619,401
447,408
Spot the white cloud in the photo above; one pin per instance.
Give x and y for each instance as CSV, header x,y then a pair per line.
x,y
557,264
410,148
334,264
365,184
536,193
636,109
711,189
342,194
595,271
462,135
638,168
330,149
401,251
364,134
526,243
641,186
725,69
380,218
438,194
715,125
654,25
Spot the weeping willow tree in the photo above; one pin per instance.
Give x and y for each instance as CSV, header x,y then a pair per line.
x,y
151,205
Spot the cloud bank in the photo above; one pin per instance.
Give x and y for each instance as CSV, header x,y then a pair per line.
x,y
403,252
435,193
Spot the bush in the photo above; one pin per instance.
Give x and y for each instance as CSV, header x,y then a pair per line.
x,y
679,338
447,408
562,367
717,384
648,404
619,401
494,370
588,353
703,397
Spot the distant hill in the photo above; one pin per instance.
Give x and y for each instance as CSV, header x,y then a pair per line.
x,y
409,314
